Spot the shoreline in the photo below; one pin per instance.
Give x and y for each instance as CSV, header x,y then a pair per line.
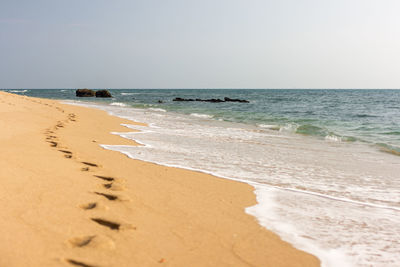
x,y
159,215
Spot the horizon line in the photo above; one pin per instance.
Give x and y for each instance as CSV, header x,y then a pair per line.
x,y
210,88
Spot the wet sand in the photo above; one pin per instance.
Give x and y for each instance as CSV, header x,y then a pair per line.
x,y
68,202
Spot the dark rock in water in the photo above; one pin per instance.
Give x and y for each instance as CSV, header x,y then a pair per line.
x,y
103,93
182,99
212,100
85,93
160,101
227,99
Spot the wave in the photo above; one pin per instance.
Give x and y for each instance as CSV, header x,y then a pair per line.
x,y
202,116
129,93
389,149
315,131
157,109
118,104
308,129
392,133
365,116
18,91
269,126
290,127
333,138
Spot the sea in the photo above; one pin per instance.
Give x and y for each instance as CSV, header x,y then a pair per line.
x,y
325,164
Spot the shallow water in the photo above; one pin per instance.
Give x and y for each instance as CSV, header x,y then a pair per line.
x,y
371,116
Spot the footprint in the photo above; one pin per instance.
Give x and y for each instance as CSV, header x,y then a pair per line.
x,y
108,196
114,186
86,169
108,186
109,224
90,164
79,263
53,144
88,206
65,151
94,241
81,241
105,178
68,154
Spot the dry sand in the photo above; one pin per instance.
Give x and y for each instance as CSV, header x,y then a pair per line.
x,y
68,202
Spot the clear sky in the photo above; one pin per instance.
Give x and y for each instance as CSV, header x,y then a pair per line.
x,y
200,44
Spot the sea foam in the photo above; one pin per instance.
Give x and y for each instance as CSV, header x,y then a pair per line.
x,y
118,104
202,116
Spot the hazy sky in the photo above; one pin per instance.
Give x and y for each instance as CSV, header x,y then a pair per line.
x,y
200,44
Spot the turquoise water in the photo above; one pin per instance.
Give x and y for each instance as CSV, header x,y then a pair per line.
x,y
371,116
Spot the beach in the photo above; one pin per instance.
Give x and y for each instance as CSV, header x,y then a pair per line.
x,y
68,201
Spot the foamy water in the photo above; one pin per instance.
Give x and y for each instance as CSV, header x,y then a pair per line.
x,y
339,201
202,116
118,104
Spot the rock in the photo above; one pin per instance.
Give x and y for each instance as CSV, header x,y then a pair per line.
x,y
160,101
227,99
85,93
212,100
182,99
103,93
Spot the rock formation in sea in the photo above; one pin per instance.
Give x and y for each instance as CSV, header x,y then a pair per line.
x,y
85,93
212,100
90,93
103,93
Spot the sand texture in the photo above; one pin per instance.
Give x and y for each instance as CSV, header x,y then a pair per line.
x,y
68,202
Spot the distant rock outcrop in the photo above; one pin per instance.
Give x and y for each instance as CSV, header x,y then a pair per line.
x,y
212,100
90,93
85,93
227,99
103,93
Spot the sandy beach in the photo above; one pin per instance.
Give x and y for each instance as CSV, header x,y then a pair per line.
x,y
66,201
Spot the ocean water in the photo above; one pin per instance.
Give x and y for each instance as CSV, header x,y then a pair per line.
x,y
325,164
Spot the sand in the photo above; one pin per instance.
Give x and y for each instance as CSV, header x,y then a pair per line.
x,y
68,202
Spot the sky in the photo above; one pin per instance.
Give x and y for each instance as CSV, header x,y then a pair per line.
x,y
199,44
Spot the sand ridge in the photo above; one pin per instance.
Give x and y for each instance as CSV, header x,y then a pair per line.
x,y
73,203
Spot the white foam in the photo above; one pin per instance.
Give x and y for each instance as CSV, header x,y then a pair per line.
x,y
130,93
203,116
290,127
157,109
118,104
333,138
18,91
269,126
265,213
